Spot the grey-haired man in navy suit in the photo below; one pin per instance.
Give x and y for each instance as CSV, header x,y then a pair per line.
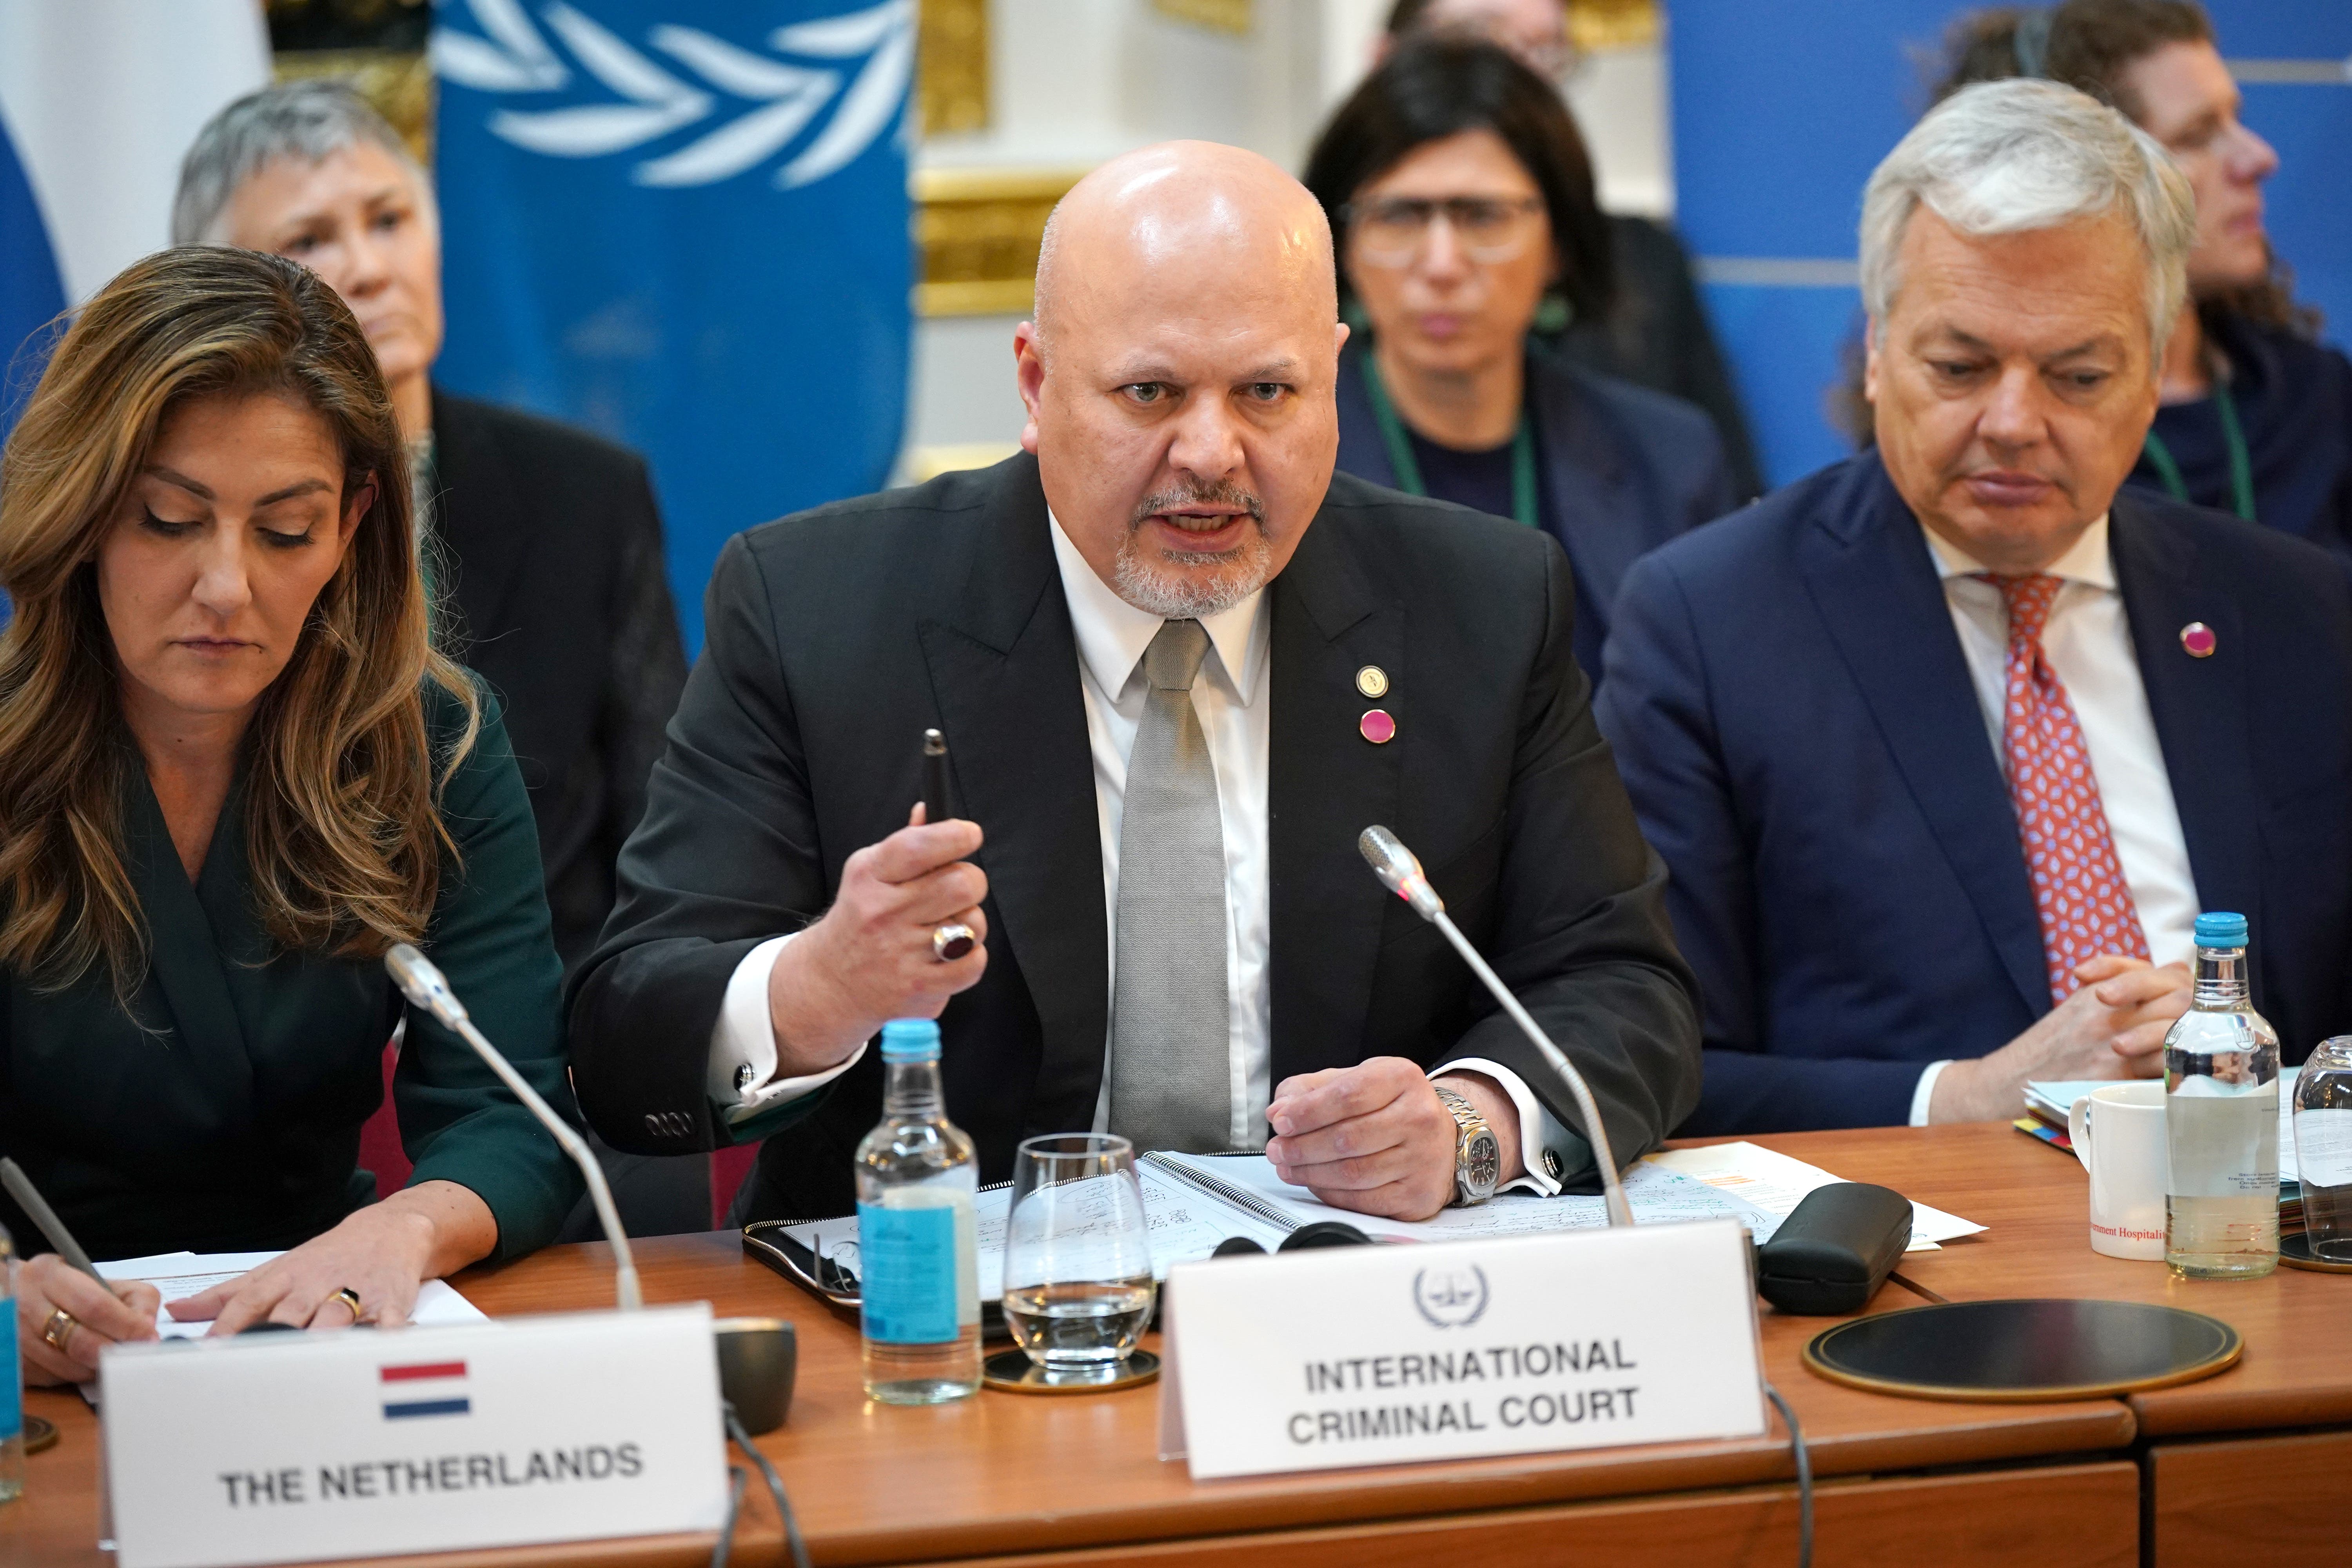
x,y
1947,745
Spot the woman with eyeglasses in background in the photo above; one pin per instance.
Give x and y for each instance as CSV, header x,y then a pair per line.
x,y
1460,197
1656,332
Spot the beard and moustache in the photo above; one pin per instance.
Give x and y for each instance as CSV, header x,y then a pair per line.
x,y
1194,585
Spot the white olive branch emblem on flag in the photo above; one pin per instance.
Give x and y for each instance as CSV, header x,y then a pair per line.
x,y
764,103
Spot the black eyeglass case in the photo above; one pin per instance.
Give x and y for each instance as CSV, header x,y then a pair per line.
x,y
1829,1257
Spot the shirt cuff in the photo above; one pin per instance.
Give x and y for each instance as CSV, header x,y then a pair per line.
x,y
743,1046
1922,1096
1548,1149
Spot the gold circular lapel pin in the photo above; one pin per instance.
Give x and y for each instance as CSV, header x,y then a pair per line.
x,y
1373,682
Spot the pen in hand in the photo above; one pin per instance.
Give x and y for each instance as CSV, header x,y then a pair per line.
x,y
28,1198
953,943
934,776
91,1316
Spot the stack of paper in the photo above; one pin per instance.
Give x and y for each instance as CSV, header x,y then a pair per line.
x,y
179,1275
1194,1202
1777,1184
2048,1101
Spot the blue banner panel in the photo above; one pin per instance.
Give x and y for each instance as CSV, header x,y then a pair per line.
x,y
1780,113
683,224
31,292
1785,342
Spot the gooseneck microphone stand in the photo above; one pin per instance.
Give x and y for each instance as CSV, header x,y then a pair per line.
x,y
1399,871
426,987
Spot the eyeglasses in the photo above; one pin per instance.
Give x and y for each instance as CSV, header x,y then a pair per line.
x,y
1390,231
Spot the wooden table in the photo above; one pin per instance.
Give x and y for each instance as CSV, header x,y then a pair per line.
x,y
1002,1479
2296,1372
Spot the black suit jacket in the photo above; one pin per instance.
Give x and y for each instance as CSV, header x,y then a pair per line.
x,y
550,553
836,636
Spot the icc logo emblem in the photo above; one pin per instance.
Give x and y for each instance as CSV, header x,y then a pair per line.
x,y
1452,1298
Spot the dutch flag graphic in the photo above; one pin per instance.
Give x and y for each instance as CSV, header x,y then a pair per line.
x,y
424,1388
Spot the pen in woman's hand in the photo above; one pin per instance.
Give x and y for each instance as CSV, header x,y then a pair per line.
x,y
28,1198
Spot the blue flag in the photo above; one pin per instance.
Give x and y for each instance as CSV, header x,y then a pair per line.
x,y
682,224
99,100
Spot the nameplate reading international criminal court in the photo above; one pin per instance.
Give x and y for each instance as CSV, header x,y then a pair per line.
x,y
289,1447
1380,1355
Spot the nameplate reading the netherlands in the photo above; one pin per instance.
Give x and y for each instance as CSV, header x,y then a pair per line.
x,y
298,1446
1380,1355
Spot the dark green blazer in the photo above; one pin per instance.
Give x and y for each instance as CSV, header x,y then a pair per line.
x,y
226,1116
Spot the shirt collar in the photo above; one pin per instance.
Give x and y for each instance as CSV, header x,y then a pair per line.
x,y
1113,634
2086,561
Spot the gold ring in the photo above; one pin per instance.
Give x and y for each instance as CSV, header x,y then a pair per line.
x,y
60,1329
349,1298
952,940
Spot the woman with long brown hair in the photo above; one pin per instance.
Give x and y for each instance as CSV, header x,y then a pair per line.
x,y
233,773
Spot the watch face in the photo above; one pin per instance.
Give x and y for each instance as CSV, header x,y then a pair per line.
x,y
1486,1164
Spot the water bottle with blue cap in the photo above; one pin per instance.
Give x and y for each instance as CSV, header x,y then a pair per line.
x,y
12,1379
918,1232
2221,1118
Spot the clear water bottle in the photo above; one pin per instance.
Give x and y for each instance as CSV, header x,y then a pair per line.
x,y
2221,1118
2323,1148
12,1379
917,1233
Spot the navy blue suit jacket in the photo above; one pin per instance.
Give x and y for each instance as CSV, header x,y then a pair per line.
x,y
1795,723
1623,469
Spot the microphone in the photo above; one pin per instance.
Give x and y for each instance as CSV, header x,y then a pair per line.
x,y
1398,870
424,985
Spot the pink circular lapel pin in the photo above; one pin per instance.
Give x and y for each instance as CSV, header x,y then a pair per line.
x,y
2197,639
1377,727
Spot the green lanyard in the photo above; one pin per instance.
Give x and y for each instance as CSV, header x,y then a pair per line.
x,y
1408,468
2241,466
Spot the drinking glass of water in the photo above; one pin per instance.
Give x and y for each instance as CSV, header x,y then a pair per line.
x,y
2323,1139
1077,1255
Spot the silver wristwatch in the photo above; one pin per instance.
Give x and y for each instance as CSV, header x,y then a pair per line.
x,y
1477,1158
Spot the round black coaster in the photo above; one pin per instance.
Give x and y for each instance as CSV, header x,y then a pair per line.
x,y
2027,1350
39,1433
1012,1372
2294,1251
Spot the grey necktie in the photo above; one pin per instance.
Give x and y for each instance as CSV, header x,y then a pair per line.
x,y
1170,1084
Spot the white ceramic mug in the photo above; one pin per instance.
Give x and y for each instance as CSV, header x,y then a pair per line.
x,y
2118,1134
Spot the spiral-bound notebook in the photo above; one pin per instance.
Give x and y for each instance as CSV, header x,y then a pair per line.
x,y
1194,1202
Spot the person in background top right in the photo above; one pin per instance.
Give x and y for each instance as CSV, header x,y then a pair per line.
x,y
1946,746
2256,418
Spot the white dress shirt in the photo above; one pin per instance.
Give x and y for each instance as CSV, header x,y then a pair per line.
x,y
1230,699
2088,642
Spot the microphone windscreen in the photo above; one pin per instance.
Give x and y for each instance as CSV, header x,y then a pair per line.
x,y
421,981
413,972
1389,858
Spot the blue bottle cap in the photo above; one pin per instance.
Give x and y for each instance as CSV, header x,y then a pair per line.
x,y
2221,930
911,1040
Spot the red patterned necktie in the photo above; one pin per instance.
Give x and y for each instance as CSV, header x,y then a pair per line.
x,y
2079,893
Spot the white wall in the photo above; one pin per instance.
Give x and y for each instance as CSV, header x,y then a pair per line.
x,y
1076,81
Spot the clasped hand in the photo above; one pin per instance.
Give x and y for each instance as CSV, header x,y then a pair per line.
x,y
2112,1028
1376,1139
